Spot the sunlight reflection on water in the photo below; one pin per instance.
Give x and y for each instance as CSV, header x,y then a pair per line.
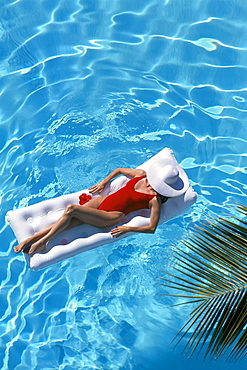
x,y
86,87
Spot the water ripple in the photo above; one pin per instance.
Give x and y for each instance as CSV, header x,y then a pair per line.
x,y
86,87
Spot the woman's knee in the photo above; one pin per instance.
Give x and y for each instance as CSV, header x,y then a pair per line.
x,y
70,209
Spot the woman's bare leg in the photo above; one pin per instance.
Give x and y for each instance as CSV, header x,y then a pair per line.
x,y
26,244
93,203
32,239
84,214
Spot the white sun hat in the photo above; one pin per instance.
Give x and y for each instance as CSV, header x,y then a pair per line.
x,y
167,177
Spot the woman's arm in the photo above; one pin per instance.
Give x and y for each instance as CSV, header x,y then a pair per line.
x,y
155,205
118,171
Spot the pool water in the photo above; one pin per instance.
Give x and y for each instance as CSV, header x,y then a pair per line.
x,y
87,86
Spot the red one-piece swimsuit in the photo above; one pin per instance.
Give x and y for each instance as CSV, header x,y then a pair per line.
x,y
126,199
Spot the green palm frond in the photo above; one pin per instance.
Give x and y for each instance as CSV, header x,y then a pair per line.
x,y
213,275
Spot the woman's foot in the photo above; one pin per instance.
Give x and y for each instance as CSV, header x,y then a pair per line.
x,y
37,247
22,247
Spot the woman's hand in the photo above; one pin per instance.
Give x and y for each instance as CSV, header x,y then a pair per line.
x,y
119,230
97,187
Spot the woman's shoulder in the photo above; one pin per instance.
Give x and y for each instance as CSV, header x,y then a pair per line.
x,y
132,172
140,173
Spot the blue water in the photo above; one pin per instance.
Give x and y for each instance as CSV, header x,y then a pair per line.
x,y
87,86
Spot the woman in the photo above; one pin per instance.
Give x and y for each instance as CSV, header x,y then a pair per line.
x,y
106,211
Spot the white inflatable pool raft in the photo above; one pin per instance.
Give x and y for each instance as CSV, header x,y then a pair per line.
x,y
29,220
